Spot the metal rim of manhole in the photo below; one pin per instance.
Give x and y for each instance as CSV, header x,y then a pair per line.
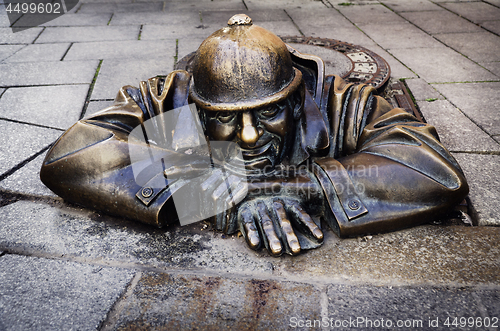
x,y
367,66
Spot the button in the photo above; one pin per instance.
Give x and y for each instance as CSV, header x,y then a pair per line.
x,y
354,204
147,192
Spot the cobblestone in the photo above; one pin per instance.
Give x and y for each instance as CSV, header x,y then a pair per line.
x,y
34,140
478,101
40,53
459,134
57,295
52,106
85,34
47,73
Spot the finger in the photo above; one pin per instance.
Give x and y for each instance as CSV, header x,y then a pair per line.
x,y
304,220
286,227
267,229
212,180
239,190
246,219
188,171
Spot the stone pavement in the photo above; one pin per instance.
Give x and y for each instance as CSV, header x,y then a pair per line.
x,y
63,267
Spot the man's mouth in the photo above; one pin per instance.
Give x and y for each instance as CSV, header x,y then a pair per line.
x,y
254,152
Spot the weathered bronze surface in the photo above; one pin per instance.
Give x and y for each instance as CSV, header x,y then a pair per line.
x,y
317,150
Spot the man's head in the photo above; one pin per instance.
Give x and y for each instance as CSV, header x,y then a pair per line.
x,y
248,91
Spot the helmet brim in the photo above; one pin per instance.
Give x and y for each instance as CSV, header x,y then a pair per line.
x,y
246,104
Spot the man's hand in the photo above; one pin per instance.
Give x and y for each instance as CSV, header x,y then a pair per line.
x,y
269,221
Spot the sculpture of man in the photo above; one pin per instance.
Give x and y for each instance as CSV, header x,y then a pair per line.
x,y
313,151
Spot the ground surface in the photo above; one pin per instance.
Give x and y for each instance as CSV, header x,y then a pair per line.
x,y
63,267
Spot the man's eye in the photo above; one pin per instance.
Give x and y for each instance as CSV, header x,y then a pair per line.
x,y
269,112
225,117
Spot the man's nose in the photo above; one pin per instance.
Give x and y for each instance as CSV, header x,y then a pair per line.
x,y
249,132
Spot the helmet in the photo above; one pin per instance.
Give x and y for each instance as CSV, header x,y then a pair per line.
x,y
242,66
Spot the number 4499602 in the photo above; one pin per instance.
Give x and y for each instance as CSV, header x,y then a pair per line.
x,y
472,322
34,8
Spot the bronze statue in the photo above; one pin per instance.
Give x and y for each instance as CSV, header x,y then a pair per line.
x,y
312,151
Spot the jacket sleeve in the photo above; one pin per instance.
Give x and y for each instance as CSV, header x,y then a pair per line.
x,y
90,164
386,170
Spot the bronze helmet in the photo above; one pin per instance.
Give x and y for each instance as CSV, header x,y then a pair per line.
x,y
241,67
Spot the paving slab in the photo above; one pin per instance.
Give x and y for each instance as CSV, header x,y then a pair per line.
x,y
131,49
421,90
281,28
4,19
80,20
204,5
42,294
482,174
457,132
424,255
497,138
321,17
172,32
441,64
26,180
215,303
220,18
58,229
33,138
63,20
488,297
493,26
88,33
402,35
95,106
117,73
477,12
99,8
156,17
22,37
479,101
8,50
440,22
493,2
421,255
52,106
47,73
40,53
263,4
187,45
375,13
478,46
410,308
411,6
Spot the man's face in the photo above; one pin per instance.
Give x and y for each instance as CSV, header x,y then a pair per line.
x,y
264,135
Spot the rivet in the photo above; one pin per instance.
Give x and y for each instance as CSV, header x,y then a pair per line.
x,y
354,205
147,192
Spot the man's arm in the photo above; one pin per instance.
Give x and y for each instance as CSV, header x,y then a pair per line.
x,y
90,164
390,171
